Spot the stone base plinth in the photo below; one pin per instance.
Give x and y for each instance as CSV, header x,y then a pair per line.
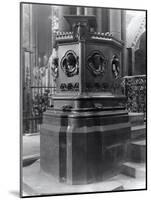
x,y
81,147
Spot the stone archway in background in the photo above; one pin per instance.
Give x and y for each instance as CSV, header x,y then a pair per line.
x,y
140,56
136,43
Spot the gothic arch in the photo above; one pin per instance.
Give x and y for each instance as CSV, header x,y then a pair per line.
x,y
136,43
135,29
140,56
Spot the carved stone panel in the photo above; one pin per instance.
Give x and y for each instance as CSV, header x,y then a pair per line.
x,y
70,63
69,87
96,63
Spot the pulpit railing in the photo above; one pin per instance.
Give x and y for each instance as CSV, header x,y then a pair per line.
x,y
135,90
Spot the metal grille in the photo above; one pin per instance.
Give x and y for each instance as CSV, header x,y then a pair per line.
x,y
37,102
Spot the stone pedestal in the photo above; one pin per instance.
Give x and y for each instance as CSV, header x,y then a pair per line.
x,y
79,148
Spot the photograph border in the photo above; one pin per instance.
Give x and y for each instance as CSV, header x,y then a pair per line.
x,y
21,101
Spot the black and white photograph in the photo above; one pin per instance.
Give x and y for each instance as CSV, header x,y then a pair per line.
x,y
83,104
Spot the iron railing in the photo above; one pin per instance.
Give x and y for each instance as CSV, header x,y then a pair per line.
x,y
135,90
39,101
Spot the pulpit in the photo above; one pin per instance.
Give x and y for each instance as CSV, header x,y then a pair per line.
x,y
85,132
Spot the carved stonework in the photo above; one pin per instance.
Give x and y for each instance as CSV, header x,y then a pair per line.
x,y
99,36
80,30
96,63
54,68
115,66
69,87
66,108
64,36
70,63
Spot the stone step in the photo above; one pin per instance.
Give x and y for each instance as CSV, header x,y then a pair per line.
x,y
138,132
138,151
135,170
136,118
130,183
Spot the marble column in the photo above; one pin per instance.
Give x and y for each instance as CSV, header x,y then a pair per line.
x,y
123,38
131,61
63,24
89,11
80,10
123,25
115,23
99,19
73,10
105,20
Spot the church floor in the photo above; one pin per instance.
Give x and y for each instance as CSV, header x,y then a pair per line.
x,y
36,182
